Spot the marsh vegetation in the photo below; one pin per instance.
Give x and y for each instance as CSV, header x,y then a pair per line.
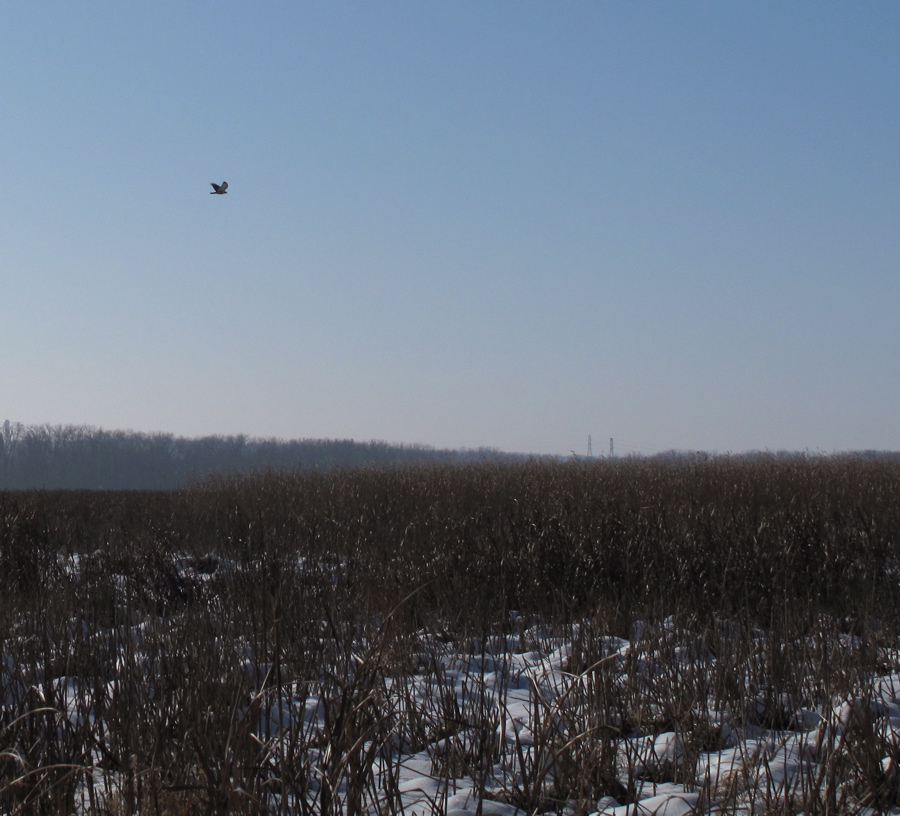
x,y
533,637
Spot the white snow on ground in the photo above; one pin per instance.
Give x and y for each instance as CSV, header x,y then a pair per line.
x,y
524,689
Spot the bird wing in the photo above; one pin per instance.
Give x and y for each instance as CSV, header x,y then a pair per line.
x,y
224,185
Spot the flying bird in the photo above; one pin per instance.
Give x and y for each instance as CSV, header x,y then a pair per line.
x,y
219,189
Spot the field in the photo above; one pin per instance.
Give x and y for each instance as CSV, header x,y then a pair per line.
x,y
711,635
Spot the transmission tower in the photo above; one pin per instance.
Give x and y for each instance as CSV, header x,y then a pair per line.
x,y
590,449
610,448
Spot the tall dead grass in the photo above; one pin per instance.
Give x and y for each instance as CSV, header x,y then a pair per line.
x,y
153,645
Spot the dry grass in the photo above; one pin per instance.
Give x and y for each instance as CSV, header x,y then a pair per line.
x,y
150,641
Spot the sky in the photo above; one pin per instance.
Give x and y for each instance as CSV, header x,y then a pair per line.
x,y
510,224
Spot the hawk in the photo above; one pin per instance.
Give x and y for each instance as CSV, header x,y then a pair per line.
x,y
219,189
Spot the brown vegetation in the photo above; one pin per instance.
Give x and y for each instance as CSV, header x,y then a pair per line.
x,y
150,641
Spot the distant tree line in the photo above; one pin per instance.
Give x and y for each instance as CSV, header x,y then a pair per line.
x,y
85,457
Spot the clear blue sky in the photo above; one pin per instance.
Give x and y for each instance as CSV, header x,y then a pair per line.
x,y
509,224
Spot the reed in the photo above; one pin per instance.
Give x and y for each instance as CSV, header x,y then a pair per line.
x,y
279,643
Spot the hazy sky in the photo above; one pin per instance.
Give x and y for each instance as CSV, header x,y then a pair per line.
x,y
462,223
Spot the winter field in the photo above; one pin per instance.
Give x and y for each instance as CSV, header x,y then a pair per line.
x,y
623,637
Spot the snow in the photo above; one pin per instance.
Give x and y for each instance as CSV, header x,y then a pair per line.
x,y
530,701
